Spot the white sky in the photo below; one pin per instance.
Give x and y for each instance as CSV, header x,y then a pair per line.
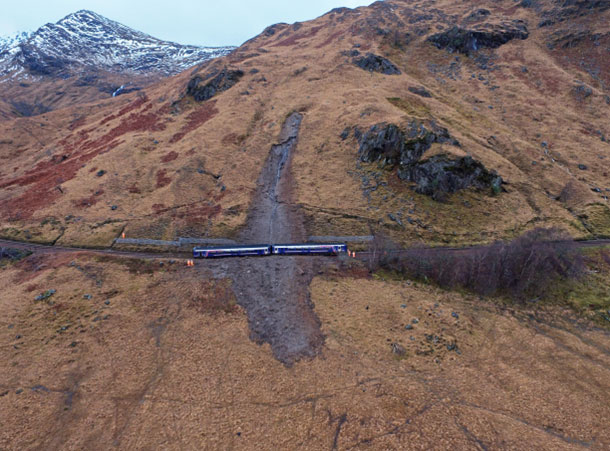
x,y
212,23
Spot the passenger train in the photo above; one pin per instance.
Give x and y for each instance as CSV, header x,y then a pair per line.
x,y
268,249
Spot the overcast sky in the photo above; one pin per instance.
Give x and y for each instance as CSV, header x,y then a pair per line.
x,y
213,23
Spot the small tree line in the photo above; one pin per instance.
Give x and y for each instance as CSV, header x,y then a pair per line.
x,y
523,268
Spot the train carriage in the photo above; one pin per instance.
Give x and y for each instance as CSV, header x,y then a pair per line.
x,y
232,251
309,248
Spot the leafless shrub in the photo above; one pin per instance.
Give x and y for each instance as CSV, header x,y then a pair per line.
x,y
568,193
524,268
380,251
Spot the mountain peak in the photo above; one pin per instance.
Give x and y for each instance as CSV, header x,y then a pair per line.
x,y
86,40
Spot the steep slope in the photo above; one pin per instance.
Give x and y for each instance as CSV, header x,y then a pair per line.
x,y
85,50
440,123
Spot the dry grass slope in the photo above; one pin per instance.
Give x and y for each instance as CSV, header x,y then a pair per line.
x,y
527,110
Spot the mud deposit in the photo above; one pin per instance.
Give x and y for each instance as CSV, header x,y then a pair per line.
x,y
274,290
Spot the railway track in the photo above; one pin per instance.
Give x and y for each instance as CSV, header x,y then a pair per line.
x,y
451,250
51,249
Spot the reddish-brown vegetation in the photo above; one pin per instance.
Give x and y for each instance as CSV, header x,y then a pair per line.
x,y
77,123
130,107
196,215
87,202
141,100
298,37
169,157
158,208
330,39
196,119
32,266
162,178
230,139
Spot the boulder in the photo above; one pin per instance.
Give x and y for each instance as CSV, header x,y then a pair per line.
x,y
376,63
420,91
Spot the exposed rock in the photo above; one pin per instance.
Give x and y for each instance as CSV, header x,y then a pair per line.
x,y
224,80
420,91
469,40
395,218
382,141
566,10
389,144
582,91
272,29
398,350
47,294
345,133
376,63
441,174
395,148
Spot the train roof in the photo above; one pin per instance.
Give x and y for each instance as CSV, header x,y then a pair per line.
x,y
308,244
246,246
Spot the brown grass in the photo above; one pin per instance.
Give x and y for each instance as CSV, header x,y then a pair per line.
x,y
163,353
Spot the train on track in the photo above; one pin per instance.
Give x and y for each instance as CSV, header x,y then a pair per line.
x,y
270,249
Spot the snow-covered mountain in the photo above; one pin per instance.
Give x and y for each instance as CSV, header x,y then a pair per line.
x,y
7,42
85,40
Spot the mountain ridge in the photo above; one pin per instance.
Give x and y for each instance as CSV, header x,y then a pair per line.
x,y
91,57
87,39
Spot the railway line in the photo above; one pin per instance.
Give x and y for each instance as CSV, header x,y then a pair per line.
x,y
361,255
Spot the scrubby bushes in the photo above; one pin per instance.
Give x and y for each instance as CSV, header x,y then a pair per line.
x,y
12,254
524,268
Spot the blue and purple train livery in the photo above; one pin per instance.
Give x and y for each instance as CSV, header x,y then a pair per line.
x,y
267,249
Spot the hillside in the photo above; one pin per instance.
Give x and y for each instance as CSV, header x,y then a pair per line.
x,y
86,57
431,122
519,103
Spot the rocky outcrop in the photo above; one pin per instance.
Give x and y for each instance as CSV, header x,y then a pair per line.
x,y
390,145
375,63
566,10
224,80
469,40
441,174
402,149
420,91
